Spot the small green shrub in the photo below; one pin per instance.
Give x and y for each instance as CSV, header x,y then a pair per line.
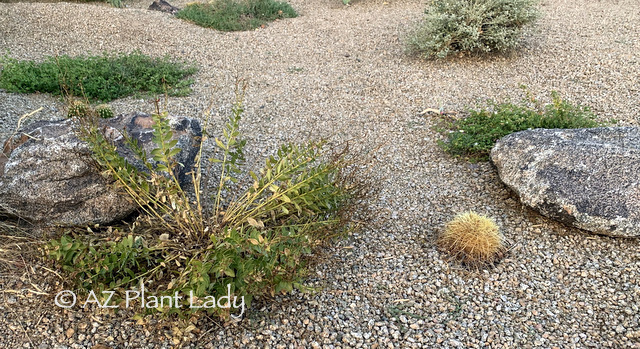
x,y
104,111
232,15
114,3
471,26
257,241
475,135
103,78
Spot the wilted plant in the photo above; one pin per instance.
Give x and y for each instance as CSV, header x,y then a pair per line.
x,y
18,244
257,241
470,26
472,238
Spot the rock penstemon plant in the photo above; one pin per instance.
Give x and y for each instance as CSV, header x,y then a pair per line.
x,y
250,244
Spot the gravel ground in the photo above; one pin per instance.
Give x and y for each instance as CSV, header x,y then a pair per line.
x,y
342,72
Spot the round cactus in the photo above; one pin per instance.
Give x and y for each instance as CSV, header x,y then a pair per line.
x,y
78,108
104,111
473,238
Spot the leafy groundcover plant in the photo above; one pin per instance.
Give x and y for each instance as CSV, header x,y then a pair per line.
x,y
102,78
250,243
471,26
114,3
474,136
233,15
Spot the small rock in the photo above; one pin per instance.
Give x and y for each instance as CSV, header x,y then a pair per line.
x,y
163,6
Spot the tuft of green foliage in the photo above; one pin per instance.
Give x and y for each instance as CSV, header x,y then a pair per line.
x,y
233,15
472,26
114,3
120,261
475,135
102,78
256,242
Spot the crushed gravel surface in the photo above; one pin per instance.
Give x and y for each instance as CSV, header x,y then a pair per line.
x,y
342,72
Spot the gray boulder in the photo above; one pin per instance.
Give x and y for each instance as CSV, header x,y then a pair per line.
x,y
163,6
588,178
47,175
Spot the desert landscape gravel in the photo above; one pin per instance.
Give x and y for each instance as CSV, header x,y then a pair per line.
x,y
343,72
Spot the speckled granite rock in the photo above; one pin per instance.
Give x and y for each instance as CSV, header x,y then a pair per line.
x,y
163,6
47,174
588,178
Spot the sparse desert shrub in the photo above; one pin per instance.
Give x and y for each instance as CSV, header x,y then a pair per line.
x,y
472,238
474,136
103,78
250,243
233,15
471,26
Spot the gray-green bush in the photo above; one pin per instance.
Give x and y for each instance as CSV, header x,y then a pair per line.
x,y
472,26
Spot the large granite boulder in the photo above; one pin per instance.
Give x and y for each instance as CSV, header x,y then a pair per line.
x,y
588,178
47,175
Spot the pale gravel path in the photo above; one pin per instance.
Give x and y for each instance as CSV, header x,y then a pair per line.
x,y
559,287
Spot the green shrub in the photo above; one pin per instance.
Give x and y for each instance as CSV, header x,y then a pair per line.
x,y
114,3
256,241
232,15
103,78
475,135
472,26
